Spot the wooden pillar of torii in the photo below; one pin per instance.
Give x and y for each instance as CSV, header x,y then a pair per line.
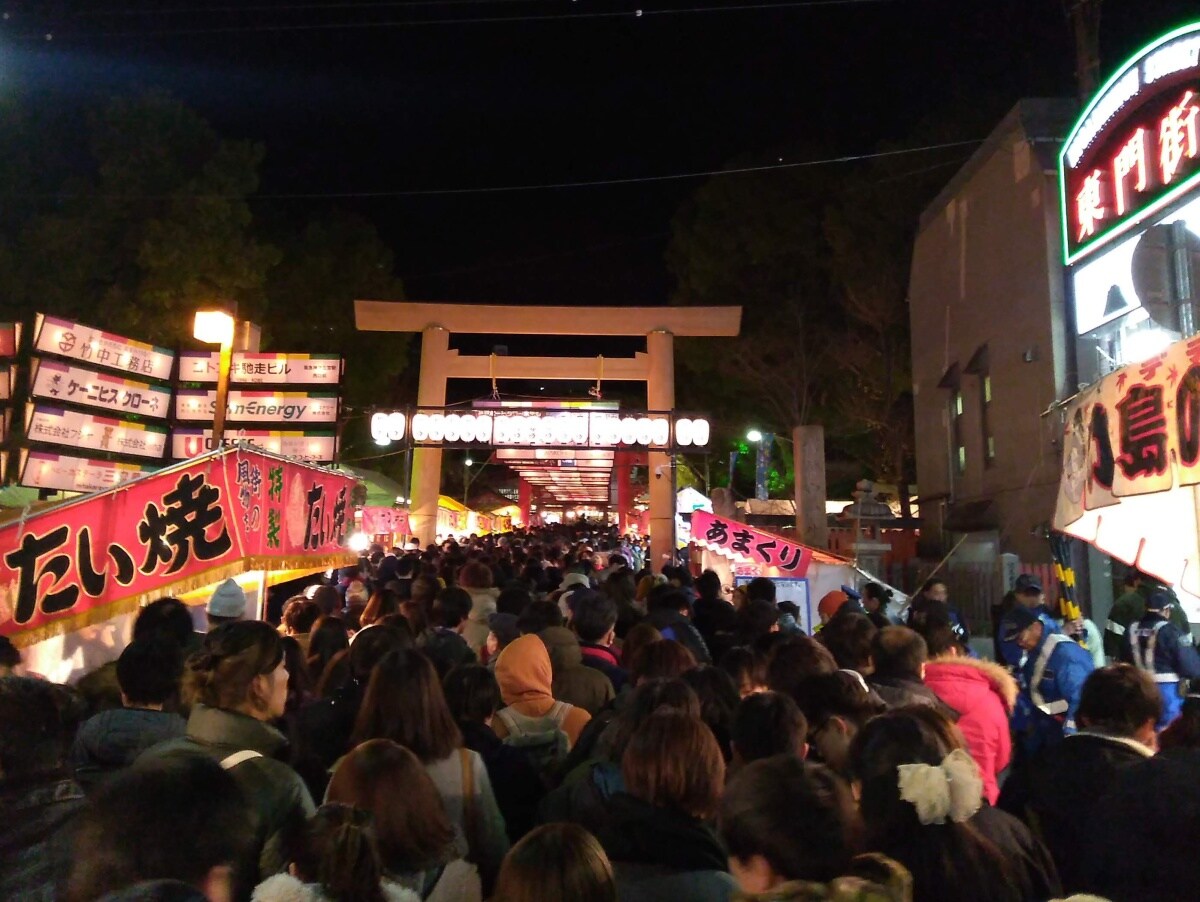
x,y
655,367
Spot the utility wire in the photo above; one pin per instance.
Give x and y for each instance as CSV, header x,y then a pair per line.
x,y
288,7
472,20
498,189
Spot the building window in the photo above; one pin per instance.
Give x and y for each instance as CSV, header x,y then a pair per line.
x,y
978,367
956,437
951,381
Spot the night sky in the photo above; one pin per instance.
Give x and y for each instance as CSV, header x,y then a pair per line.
x,y
380,107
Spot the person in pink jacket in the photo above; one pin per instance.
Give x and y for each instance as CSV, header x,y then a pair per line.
x,y
983,693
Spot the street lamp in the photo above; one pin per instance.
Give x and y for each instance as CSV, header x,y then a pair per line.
x,y
761,461
467,464
216,327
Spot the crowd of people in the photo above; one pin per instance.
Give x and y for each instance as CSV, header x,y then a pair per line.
x,y
540,717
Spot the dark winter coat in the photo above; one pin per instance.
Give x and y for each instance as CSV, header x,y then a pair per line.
x,y
662,854
606,660
35,828
897,692
515,782
275,791
322,733
674,625
575,684
584,799
1065,786
112,740
1143,848
1033,868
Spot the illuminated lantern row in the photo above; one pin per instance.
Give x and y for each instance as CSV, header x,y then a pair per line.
x,y
540,429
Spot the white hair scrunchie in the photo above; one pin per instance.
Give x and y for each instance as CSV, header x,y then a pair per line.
x,y
952,789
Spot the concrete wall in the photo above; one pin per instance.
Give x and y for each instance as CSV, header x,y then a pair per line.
x,y
987,271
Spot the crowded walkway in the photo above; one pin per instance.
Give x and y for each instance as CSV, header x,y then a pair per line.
x,y
542,716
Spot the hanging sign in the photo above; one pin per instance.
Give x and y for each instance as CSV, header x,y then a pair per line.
x,y
97,348
316,447
179,529
263,369
1131,465
385,521
745,544
10,339
257,406
44,470
59,382
56,426
1135,147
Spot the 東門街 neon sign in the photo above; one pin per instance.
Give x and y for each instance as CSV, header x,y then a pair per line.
x,y
1136,147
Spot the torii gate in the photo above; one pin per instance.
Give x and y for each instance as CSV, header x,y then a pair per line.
x,y
655,367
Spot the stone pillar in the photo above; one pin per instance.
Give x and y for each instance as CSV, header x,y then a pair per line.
x,y
427,462
660,397
808,450
525,501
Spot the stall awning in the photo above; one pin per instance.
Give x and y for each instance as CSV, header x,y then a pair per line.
x,y
751,545
1131,465
186,526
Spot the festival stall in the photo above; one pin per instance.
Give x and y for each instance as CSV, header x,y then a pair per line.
x,y
1131,467
72,575
388,526
801,574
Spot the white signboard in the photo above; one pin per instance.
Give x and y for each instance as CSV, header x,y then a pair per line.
x,y
317,447
198,406
263,369
84,430
96,348
42,470
58,382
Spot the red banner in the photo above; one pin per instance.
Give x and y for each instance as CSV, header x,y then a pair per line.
x,y
745,544
389,520
179,529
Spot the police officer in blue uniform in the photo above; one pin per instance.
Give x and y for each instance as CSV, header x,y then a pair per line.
x,y
1052,676
1026,593
1157,646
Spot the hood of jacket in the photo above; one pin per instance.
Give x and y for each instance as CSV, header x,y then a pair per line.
x,y
563,647
218,727
524,672
115,738
483,602
947,676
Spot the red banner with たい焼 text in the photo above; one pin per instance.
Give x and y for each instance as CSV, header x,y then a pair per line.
x,y
176,530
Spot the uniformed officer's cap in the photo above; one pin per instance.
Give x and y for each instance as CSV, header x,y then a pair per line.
x,y
1027,584
1159,601
1017,621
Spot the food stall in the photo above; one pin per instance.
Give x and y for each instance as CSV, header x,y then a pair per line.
x,y
73,575
739,552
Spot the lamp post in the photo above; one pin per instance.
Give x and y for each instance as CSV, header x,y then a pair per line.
x,y
761,461
467,464
216,326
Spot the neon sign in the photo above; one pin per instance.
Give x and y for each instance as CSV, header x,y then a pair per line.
x,y
1136,147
